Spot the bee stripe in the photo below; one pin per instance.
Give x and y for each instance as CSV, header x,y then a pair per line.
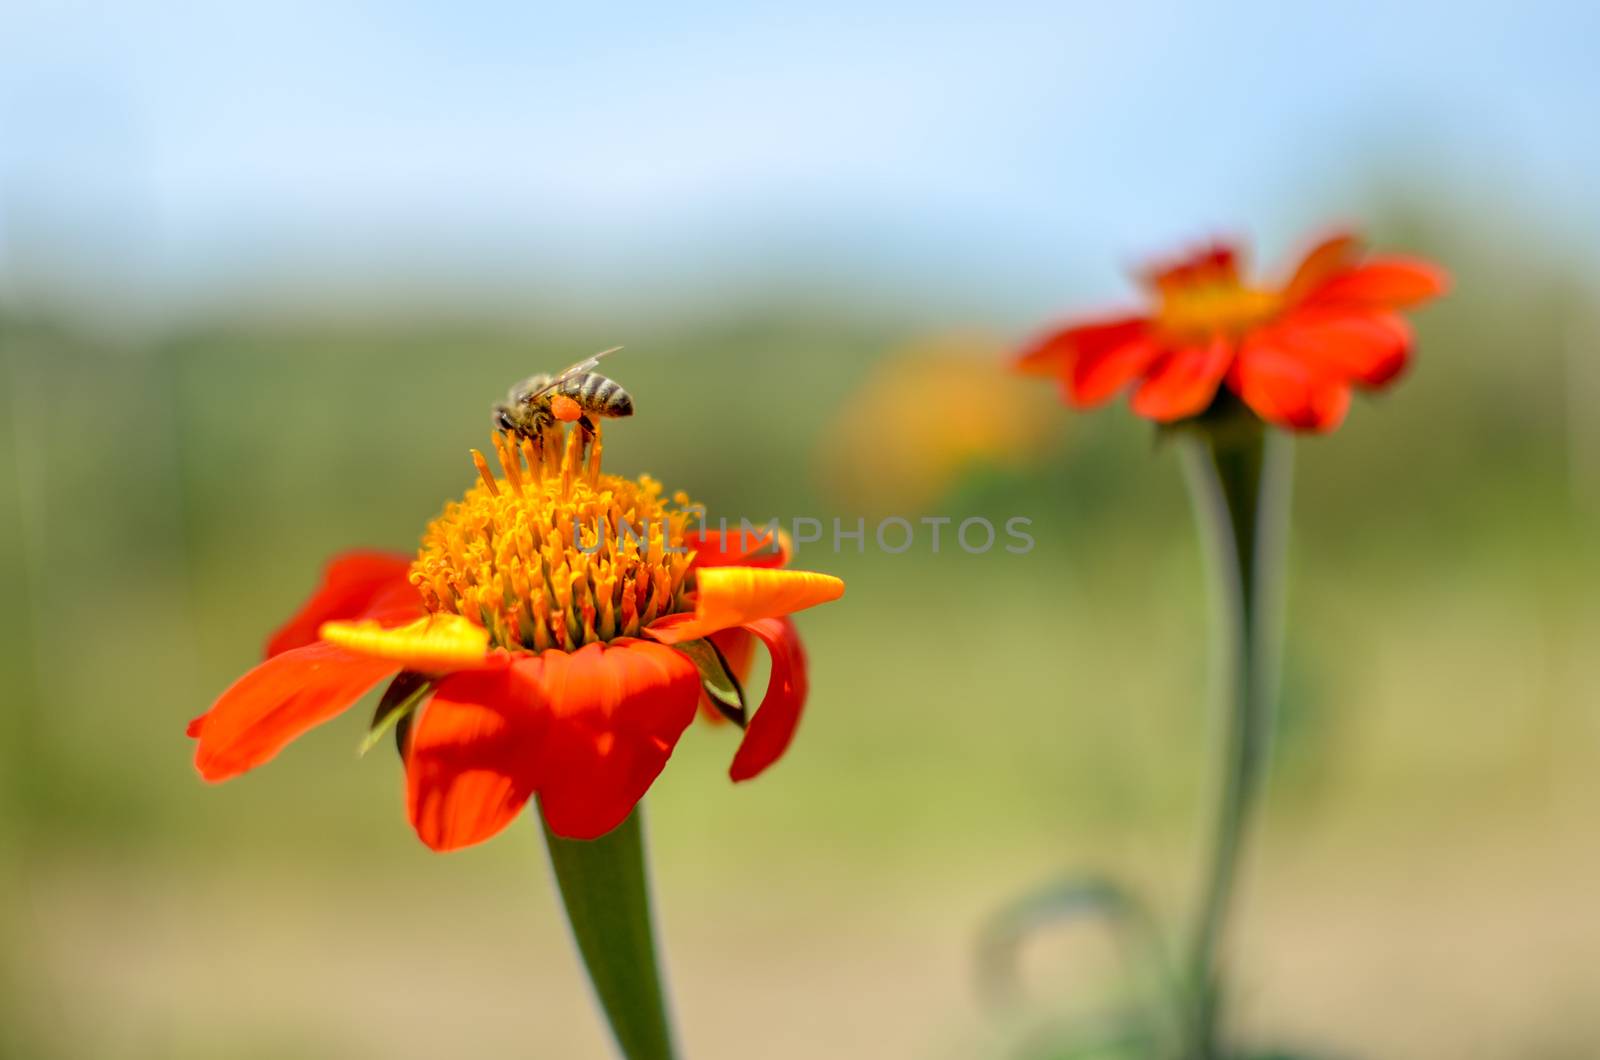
x,y
621,403
595,394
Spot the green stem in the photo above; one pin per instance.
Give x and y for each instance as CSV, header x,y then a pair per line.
x,y
1238,481
605,887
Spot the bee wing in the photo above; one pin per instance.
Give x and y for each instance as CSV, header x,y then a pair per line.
x,y
585,365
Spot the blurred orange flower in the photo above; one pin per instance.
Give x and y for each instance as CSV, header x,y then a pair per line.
x,y
928,414
553,668
1292,353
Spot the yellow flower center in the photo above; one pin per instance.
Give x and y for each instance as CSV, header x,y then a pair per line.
x,y
556,554
1196,311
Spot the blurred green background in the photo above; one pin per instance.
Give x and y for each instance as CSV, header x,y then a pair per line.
x,y
262,272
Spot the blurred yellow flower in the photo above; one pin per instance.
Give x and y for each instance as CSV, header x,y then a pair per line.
x,y
926,416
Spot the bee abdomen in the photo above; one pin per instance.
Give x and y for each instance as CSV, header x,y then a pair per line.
x,y
599,395
614,400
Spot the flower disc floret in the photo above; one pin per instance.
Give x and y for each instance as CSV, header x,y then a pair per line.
x,y
557,554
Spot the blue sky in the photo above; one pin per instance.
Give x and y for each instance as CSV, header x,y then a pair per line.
x,y
177,149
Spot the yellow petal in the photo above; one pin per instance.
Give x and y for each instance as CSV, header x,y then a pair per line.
x,y
733,596
437,643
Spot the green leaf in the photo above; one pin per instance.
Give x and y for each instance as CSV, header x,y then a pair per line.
x,y
606,890
717,678
400,700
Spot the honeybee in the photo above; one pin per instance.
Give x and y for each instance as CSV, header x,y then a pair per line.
x,y
574,394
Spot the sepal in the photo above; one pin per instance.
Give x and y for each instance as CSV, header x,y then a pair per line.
x,y
400,701
717,678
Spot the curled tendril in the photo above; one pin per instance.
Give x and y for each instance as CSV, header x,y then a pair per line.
x,y
1084,897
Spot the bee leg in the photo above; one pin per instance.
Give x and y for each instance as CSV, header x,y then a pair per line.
x,y
586,425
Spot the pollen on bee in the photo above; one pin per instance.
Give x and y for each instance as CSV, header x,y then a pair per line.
x,y
564,408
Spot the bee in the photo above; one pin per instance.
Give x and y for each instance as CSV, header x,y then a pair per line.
x,y
574,394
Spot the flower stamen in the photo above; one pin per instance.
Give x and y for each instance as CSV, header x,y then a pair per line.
x,y
557,554
1220,307
484,473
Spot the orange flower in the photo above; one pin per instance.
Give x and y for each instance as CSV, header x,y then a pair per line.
x,y
552,620
896,443
1292,353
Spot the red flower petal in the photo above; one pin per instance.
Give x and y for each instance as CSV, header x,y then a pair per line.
x,y
278,700
1099,374
359,584
1060,352
1288,391
1326,259
1184,381
616,712
772,726
470,763
1383,283
1371,349
737,648
738,548
1217,263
